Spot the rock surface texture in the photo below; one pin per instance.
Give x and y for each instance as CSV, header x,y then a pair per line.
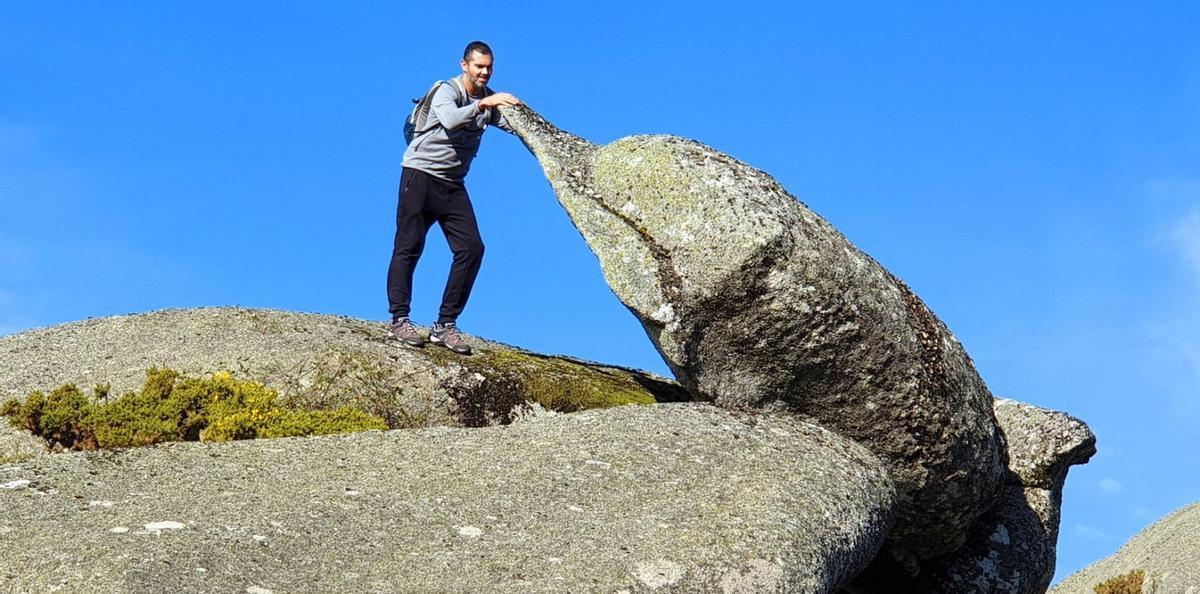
x,y
758,303
1167,551
320,361
1011,549
675,497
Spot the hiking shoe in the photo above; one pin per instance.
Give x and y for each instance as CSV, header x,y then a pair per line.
x,y
403,331
447,335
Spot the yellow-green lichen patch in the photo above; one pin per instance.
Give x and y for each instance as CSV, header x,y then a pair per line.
x,y
173,408
564,385
1129,583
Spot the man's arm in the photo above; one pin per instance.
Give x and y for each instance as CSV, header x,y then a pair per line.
x,y
445,107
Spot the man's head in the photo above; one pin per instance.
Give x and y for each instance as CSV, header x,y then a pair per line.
x,y
477,66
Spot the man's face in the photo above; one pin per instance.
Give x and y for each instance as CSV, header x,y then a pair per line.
x,y
478,68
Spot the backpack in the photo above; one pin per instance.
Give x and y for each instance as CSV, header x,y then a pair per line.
x,y
418,121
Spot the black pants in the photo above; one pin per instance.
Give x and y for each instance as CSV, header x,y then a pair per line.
x,y
424,200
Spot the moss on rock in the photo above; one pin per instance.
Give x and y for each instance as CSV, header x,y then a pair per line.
x,y
563,385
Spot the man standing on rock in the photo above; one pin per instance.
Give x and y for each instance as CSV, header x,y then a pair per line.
x,y
432,190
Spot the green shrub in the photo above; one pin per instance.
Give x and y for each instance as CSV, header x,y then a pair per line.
x,y
238,425
28,414
62,417
172,408
136,419
201,402
10,409
159,382
1129,583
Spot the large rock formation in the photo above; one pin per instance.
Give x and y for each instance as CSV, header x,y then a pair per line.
x,y
674,497
1012,548
757,302
1167,553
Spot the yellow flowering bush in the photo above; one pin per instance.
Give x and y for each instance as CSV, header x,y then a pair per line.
x,y
173,408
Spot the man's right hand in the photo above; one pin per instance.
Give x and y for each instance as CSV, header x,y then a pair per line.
x,y
497,100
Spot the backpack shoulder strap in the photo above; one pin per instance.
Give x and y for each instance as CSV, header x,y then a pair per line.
x,y
428,96
418,120
456,84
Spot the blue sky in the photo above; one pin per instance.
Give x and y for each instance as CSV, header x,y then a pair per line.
x,y
1032,171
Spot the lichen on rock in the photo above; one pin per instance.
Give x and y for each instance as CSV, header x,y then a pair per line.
x,y
756,302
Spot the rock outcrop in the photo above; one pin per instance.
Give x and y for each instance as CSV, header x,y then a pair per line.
x,y
758,303
853,447
319,361
1012,548
17,445
674,497
1167,553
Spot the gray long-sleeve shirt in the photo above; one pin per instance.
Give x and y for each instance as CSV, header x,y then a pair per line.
x,y
446,149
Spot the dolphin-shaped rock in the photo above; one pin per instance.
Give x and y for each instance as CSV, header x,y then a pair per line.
x,y
756,302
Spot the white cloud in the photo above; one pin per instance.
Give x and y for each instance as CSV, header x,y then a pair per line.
x,y
1110,485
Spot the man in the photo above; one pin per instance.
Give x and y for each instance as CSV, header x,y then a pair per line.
x,y
432,190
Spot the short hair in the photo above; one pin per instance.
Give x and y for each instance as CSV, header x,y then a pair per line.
x,y
476,46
